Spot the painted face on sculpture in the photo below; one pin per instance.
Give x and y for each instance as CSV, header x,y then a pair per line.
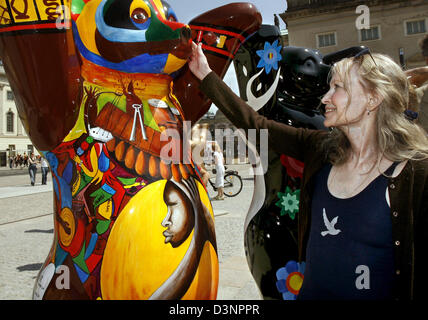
x,y
133,36
130,51
179,220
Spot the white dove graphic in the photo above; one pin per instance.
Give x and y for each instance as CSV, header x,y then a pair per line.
x,y
329,225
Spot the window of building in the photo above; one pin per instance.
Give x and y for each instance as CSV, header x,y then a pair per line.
x,y
12,150
370,34
326,39
9,95
415,27
30,148
9,121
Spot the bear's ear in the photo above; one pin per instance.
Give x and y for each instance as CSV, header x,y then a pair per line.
x,y
235,22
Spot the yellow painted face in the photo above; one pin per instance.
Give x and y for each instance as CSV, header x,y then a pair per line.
x,y
139,237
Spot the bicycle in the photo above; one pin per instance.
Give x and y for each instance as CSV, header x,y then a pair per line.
x,y
232,183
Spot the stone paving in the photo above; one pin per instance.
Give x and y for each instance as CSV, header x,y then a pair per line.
x,y
26,234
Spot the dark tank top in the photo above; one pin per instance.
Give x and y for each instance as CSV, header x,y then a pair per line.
x,y
350,249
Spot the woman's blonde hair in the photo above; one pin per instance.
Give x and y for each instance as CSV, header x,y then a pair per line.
x,y
398,137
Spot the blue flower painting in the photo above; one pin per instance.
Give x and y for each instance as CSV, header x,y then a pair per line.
x,y
270,56
290,279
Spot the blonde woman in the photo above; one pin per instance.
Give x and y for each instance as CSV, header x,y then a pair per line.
x,y
364,201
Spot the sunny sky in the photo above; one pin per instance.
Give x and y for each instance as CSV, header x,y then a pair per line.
x,y
189,9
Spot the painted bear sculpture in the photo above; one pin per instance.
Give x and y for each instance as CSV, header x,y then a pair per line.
x,y
104,93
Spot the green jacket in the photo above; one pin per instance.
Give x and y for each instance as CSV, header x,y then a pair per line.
x,y
408,191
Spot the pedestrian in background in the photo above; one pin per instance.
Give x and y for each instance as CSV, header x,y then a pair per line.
x,y
25,160
18,161
219,167
32,168
45,169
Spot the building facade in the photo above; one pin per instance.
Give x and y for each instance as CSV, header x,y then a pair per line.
x,y
13,138
392,27
226,135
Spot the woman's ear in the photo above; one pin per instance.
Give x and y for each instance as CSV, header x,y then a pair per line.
x,y
378,98
375,99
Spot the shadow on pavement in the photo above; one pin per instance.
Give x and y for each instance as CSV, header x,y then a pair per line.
x,y
30,267
39,231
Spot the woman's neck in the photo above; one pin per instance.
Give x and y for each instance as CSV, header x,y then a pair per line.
x,y
364,152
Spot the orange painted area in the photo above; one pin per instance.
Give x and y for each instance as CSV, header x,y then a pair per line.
x,y
146,85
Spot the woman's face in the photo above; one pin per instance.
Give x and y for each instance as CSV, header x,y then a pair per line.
x,y
179,219
337,111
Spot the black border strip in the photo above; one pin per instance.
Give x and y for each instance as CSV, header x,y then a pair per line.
x,y
29,23
31,31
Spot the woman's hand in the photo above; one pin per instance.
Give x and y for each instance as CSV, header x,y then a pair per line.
x,y
198,63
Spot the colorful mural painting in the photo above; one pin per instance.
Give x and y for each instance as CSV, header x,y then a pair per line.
x,y
100,85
